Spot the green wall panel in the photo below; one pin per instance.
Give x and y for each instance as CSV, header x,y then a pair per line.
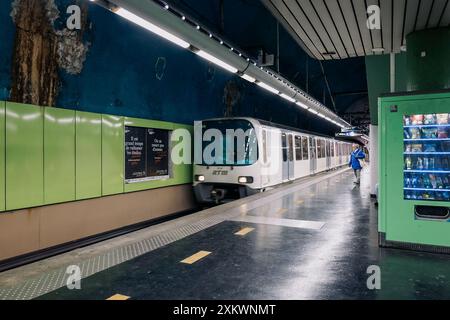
x,y
51,155
24,156
2,156
113,155
88,155
59,155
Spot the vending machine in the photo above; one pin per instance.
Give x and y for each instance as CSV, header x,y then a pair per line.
x,y
414,172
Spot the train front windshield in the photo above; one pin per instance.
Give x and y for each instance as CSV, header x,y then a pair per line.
x,y
229,143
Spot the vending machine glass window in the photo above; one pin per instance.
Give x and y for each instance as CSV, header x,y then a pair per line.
x,y
427,157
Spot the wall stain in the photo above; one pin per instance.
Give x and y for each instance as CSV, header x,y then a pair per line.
x,y
40,50
210,73
231,97
160,68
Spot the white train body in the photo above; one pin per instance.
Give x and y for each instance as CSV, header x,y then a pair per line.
x,y
279,155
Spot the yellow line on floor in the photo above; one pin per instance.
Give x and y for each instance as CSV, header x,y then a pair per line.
x,y
118,297
244,231
196,257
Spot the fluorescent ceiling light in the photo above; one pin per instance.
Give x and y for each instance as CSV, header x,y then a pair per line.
x,y
378,50
286,97
216,61
248,78
151,27
304,106
268,88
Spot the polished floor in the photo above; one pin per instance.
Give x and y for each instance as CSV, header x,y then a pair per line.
x,y
312,242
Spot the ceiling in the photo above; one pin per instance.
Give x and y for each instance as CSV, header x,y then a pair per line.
x,y
337,29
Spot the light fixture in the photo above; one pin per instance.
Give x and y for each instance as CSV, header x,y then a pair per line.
x,y
246,180
300,104
248,78
286,97
378,50
151,27
267,87
216,61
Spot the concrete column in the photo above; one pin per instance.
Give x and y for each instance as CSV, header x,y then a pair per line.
x,y
373,149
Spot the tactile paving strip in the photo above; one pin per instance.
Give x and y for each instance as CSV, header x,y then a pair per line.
x,y
57,279
54,280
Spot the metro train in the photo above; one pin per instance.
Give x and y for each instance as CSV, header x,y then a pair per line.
x,y
238,157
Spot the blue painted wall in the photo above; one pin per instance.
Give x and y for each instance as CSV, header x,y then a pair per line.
x,y
7,32
129,71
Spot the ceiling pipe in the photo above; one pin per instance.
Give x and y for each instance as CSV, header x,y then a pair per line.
x,y
164,19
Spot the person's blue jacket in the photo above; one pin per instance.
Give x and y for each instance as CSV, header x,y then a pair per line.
x,y
354,159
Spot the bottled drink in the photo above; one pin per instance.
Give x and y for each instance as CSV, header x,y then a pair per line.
x,y
445,164
419,163
408,163
431,164
433,181
426,163
439,183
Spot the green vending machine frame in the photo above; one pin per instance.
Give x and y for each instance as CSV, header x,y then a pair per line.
x,y
414,171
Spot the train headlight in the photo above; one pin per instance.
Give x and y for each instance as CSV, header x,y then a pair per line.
x,y
245,180
200,178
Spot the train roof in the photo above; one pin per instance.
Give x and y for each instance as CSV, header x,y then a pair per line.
x,y
275,125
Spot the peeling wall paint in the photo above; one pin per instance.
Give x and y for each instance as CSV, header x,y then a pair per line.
x,y
71,51
41,51
34,77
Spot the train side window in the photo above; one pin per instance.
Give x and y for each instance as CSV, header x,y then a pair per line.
x,y
322,149
319,149
298,148
284,147
305,148
264,137
291,147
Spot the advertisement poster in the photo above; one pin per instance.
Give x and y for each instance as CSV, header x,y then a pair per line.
x,y
146,154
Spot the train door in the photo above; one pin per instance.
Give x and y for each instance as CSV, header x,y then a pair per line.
x,y
313,155
291,158
285,162
328,155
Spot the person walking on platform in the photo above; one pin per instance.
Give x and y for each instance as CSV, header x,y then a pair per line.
x,y
357,155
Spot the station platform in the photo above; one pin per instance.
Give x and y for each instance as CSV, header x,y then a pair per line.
x,y
312,239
